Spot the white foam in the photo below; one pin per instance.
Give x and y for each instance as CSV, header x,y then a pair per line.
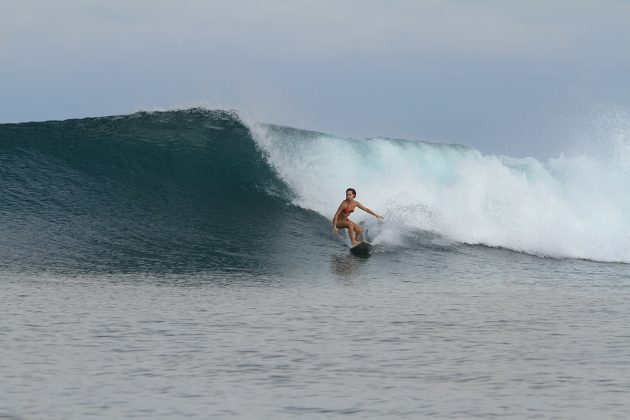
x,y
577,207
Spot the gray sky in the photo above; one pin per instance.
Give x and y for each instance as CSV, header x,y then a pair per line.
x,y
512,77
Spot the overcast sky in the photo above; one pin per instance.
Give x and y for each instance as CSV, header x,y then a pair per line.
x,y
512,77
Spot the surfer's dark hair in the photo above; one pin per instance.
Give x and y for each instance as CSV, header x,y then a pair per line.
x,y
353,191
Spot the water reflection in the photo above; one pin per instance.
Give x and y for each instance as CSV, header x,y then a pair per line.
x,y
344,265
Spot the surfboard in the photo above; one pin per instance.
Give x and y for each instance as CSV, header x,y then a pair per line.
x,y
362,248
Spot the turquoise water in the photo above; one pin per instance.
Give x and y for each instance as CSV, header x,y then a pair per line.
x,y
181,264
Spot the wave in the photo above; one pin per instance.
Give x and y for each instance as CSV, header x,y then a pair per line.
x,y
201,190
179,190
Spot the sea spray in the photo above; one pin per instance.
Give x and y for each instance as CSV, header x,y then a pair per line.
x,y
576,207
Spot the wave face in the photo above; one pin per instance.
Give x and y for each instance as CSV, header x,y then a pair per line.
x,y
166,191
198,191
567,207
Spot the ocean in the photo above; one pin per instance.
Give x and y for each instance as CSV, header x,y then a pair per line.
x,y
182,264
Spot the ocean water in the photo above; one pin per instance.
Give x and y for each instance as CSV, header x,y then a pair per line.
x,y
181,264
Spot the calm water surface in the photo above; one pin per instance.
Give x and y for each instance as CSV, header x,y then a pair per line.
x,y
484,333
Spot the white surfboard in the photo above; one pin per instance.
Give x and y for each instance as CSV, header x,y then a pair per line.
x,y
362,248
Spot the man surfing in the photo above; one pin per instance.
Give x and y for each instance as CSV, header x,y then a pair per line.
x,y
341,220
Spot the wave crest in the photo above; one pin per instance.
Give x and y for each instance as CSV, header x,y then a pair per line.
x,y
576,207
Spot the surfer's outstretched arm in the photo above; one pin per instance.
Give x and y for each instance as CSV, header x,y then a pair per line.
x,y
365,209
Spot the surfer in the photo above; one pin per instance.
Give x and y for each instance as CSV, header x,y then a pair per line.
x,y
341,221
